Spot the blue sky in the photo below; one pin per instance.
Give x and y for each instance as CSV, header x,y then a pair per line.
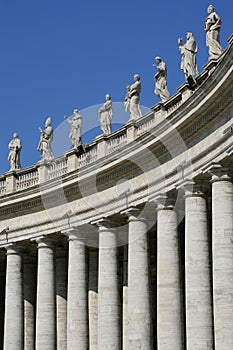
x,y
66,54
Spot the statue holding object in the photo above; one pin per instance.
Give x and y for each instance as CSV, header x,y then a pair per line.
x,y
75,129
46,138
188,52
132,98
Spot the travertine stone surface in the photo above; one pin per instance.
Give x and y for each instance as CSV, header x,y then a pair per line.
x,y
188,52
75,128
139,312
29,288
46,138
108,298
199,324
45,303
2,295
177,139
213,25
132,98
169,294
161,80
61,298
15,147
222,238
77,314
13,327
105,115
125,298
93,299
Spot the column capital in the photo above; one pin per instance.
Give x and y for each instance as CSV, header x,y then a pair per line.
x,y
192,188
133,214
160,198
186,185
108,223
13,249
74,234
164,202
219,173
44,242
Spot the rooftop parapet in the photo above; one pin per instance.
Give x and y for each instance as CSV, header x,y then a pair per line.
x,y
105,145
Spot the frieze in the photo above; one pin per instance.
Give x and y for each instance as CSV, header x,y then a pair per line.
x,y
35,203
222,110
213,113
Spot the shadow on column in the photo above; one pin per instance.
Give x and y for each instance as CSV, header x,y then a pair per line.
x,y
152,246
2,295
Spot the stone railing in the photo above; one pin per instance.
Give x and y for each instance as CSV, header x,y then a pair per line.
x,y
57,168
145,124
89,156
102,146
173,103
118,140
2,185
27,178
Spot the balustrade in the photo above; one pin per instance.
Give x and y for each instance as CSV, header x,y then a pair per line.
x,y
57,168
2,186
27,179
117,141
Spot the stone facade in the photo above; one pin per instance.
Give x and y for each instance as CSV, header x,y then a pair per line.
x,y
128,245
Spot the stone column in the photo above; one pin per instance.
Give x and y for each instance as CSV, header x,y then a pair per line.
x,y
222,250
2,294
45,303
13,327
125,298
139,312
108,297
198,284
77,314
93,299
61,297
29,302
169,291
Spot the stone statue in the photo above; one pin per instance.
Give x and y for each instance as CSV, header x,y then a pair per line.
x,y
75,128
105,115
161,80
46,138
14,146
132,98
188,52
212,28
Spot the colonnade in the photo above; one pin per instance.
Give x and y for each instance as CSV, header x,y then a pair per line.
x,y
71,296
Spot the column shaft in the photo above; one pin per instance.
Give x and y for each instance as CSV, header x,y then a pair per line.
x,y
199,325
2,295
61,299
93,300
77,314
139,312
222,226
29,303
125,298
108,298
45,313
13,329
169,292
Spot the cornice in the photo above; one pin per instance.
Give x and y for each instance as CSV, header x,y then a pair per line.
x,y
208,109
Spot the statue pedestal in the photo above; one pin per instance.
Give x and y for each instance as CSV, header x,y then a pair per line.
x,y
101,145
11,177
72,160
